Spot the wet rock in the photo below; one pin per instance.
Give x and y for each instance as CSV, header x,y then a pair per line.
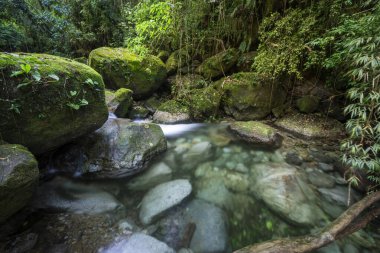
x,y
157,174
140,243
320,179
21,244
197,154
172,112
119,102
286,192
18,178
163,197
119,149
138,112
293,159
326,167
64,195
311,126
257,133
339,195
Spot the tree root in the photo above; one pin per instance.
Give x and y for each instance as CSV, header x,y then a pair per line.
x,y
352,220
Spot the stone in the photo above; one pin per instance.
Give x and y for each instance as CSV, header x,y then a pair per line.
x,y
119,102
118,149
331,248
18,179
177,60
286,192
339,195
65,195
246,61
326,167
138,112
311,126
197,154
256,133
181,85
172,112
307,104
63,101
163,197
320,179
157,174
121,68
246,97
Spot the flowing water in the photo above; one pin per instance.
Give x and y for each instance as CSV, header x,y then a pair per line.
x,y
231,205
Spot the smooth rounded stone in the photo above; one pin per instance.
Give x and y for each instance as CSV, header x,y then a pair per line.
x,y
293,159
163,197
320,179
214,191
64,195
138,243
18,179
311,126
339,195
118,149
257,133
171,117
198,153
332,209
326,167
157,174
284,189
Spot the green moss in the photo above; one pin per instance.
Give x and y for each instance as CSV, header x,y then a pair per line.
x,y
122,94
256,127
181,85
177,60
219,64
163,55
307,104
43,119
173,106
121,68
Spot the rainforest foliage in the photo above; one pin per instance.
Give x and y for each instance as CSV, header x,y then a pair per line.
x,y
336,41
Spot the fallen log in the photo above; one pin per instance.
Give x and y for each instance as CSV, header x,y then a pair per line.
x,y
352,220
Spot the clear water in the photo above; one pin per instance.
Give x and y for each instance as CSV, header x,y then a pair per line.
x,y
219,174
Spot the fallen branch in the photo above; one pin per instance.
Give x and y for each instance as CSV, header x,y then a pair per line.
x,y
352,220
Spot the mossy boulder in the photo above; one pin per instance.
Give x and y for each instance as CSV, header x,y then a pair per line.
x,y
247,97
311,126
119,149
307,104
177,60
257,133
246,61
172,112
181,85
18,178
119,102
219,64
139,112
121,68
51,102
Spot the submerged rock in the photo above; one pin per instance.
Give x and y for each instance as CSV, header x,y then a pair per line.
x,y
57,101
119,102
121,68
257,133
18,178
196,154
311,126
286,192
246,97
163,197
171,112
118,149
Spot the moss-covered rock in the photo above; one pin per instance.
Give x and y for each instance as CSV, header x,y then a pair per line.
x,y
307,104
247,97
172,112
18,178
177,60
119,102
138,112
121,68
219,64
246,61
257,133
181,85
51,102
163,55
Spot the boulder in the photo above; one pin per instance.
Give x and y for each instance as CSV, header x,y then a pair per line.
x,y
177,60
47,101
246,61
307,104
286,192
18,178
219,64
121,68
246,97
119,102
138,112
196,154
311,126
256,133
171,112
203,103
181,85
118,149
162,198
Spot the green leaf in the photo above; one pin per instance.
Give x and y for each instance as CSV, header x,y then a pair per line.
x,y
17,73
36,75
73,93
73,106
23,85
26,68
83,102
54,76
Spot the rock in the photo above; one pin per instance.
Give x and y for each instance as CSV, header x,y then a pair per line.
x,y
293,159
118,149
326,167
246,97
177,60
18,179
213,190
307,104
331,248
163,197
64,195
349,248
119,102
121,68
62,100
286,192
138,243
311,126
320,179
246,61
138,112
219,64
203,103
181,85
22,243
339,195
157,174
171,112
256,133
152,104
197,154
